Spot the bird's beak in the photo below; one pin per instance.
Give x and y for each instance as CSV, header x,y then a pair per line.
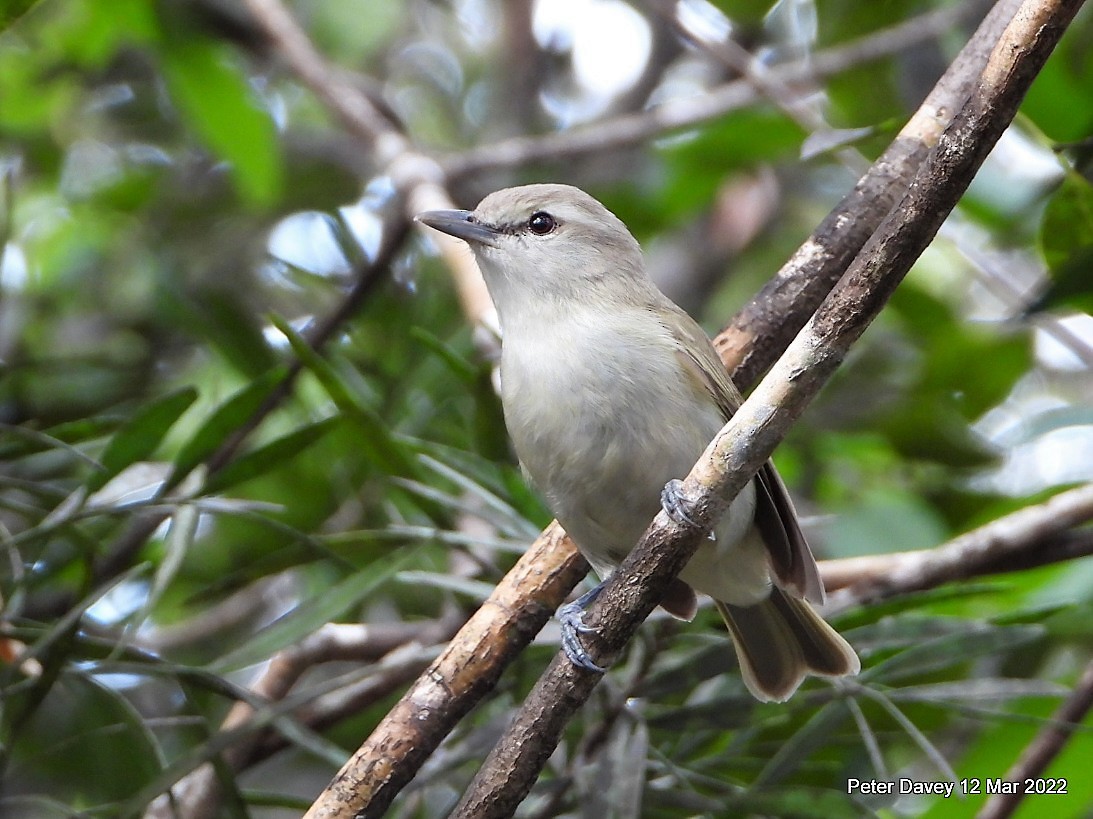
x,y
461,224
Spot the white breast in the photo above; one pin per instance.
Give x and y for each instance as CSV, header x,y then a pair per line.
x,y
602,415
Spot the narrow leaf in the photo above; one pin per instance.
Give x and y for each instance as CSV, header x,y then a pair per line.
x,y
814,734
951,650
217,103
140,436
269,456
311,614
377,443
474,589
227,419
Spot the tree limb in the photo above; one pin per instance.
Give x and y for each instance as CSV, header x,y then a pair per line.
x,y
751,436
366,277
469,667
1035,532
786,301
552,555
198,795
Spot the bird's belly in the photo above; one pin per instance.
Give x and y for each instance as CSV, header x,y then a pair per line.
x,y
602,454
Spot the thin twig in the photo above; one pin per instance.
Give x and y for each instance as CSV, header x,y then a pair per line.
x,y
358,114
198,794
469,667
418,177
676,115
1034,760
122,553
799,105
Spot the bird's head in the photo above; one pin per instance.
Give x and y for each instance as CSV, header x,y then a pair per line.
x,y
545,241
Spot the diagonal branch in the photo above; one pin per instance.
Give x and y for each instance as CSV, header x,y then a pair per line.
x,y
419,178
747,345
366,278
358,114
550,568
751,436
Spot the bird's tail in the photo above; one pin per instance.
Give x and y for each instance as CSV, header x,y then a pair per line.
x,y
780,641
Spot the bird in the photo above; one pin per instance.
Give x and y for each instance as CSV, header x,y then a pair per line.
x,y
610,393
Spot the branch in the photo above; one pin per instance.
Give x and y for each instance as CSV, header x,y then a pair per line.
x,y
677,115
125,549
1035,533
750,437
800,104
788,299
198,795
1044,748
359,790
418,177
470,666
357,113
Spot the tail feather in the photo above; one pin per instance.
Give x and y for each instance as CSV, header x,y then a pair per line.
x,y
781,640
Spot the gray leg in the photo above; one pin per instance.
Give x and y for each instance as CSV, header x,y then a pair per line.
x,y
571,618
671,498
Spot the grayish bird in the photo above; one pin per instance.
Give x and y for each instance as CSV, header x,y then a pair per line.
x,y
610,393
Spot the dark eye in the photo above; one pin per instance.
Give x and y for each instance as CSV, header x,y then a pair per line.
x,y
541,223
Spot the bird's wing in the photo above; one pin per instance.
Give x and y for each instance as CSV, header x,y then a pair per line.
x,y
790,558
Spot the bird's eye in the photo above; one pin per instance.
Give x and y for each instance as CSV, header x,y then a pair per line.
x,y
541,223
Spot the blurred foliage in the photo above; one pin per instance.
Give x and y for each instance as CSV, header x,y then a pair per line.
x,y
175,209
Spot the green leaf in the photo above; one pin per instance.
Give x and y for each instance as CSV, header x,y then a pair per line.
x,y
994,751
950,650
951,345
98,30
140,436
215,100
269,456
313,614
222,317
887,521
1058,99
88,736
914,732
1066,238
225,421
798,802
474,590
178,543
741,140
25,440
814,734
459,365
930,428
990,689
12,10
376,440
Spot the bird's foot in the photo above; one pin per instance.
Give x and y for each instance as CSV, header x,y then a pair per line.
x,y
675,504
571,618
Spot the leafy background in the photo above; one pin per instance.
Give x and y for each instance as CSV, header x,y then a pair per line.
x,y
175,209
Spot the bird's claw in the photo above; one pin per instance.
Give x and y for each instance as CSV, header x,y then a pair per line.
x,y
571,618
675,504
